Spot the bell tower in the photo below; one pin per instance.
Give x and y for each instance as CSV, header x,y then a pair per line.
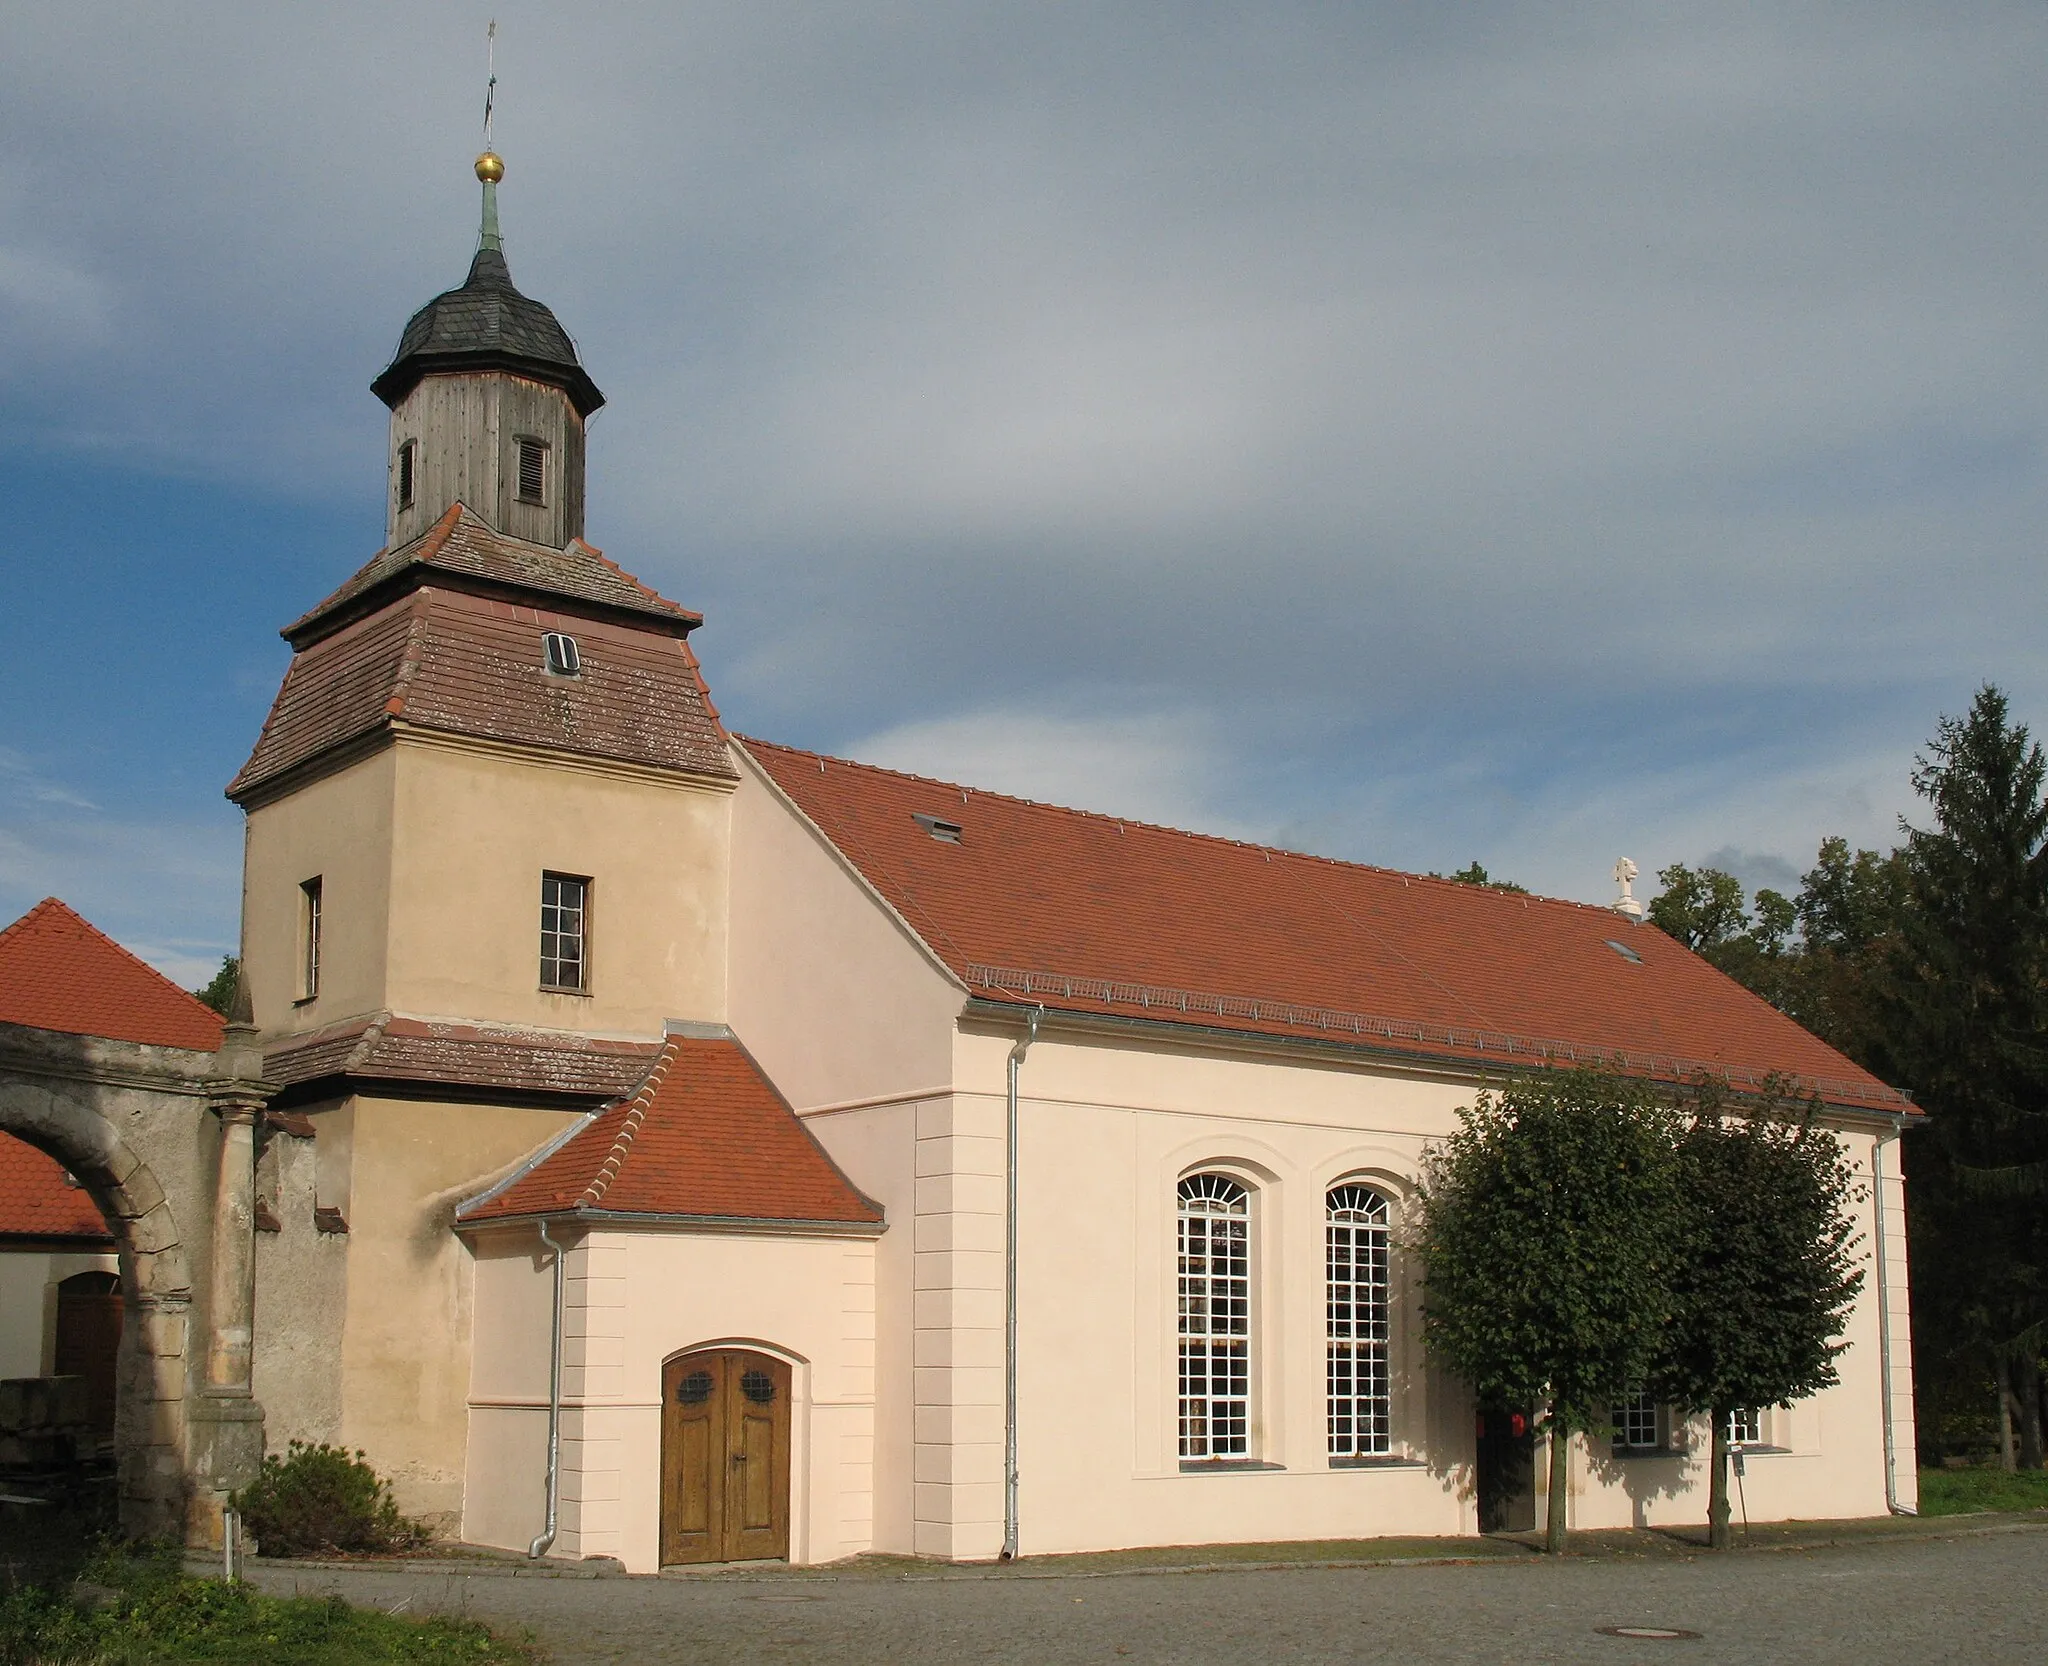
x,y
488,402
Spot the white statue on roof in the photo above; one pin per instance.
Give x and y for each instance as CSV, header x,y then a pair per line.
x,y
1625,873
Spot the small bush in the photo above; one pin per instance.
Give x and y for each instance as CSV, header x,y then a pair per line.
x,y
319,1499
150,1614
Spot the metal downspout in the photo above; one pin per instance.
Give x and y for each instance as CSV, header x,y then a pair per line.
x,y
1884,1331
1010,1290
539,1547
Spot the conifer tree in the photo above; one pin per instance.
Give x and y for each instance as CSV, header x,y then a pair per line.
x,y
1967,1009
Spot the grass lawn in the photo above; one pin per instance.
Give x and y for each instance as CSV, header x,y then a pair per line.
x,y
1955,1492
151,1614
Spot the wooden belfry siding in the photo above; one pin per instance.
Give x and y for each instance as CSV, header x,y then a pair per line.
x,y
468,428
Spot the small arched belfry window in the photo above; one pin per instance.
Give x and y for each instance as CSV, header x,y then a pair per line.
x,y
1361,1403
1215,1317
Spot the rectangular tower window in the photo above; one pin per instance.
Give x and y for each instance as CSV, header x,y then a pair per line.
x,y
309,938
408,463
564,926
533,471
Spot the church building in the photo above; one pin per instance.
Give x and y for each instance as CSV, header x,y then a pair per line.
x,y
686,1148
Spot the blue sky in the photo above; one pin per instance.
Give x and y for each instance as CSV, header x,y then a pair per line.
x,y
1530,433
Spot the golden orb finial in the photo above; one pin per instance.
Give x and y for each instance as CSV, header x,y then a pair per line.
x,y
490,167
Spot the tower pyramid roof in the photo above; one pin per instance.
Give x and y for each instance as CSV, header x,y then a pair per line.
x,y
487,324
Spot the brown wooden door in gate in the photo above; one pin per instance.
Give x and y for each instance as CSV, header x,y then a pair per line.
x,y
89,1339
724,1457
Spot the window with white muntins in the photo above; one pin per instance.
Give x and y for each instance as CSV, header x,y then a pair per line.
x,y
564,934
1355,1236
1636,1425
1215,1317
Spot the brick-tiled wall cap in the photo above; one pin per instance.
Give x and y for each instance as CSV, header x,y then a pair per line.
x,y
59,973
706,1136
36,1201
1030,904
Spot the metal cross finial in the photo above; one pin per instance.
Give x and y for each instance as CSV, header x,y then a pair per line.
x,y
490,70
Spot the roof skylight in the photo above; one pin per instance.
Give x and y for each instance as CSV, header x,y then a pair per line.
x,y
1628,954
946,832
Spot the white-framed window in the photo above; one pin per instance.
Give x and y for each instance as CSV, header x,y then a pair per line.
x,y
1356,1242
564,932
1638,1425
309,937
1746,1427
1215,1317
408,472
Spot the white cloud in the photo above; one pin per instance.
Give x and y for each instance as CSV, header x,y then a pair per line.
x,y
1155,767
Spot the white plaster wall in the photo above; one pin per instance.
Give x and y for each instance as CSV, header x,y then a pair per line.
x,y
634,1300
877,1147
28,1305
1108,1128
825,987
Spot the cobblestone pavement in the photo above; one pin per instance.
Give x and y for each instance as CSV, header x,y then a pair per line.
x,y
1980,1597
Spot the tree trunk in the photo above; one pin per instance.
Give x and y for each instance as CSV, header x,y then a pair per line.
x,y
1560,1482
1719,1535
2027,1393
2006,1460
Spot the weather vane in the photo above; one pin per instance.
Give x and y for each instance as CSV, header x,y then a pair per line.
x,y
491,70
490,167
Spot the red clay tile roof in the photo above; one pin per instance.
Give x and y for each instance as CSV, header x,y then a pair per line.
x,y
1085,913
391,1048
460,544
58,973
36,1201
462,663
706,1137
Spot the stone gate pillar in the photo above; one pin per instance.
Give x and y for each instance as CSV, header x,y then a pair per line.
x,y
226,1422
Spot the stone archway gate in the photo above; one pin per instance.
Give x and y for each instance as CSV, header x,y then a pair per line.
x,y
163,1140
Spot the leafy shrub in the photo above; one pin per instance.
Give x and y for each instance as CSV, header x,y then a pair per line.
x,y
151,1614
318,1499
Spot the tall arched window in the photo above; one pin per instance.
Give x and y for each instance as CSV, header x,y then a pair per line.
x,y
1215,1317
1361,1405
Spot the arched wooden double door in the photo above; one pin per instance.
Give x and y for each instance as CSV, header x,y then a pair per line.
x,y
724,1457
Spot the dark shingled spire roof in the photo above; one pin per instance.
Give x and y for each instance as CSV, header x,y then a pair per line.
x,y
487,325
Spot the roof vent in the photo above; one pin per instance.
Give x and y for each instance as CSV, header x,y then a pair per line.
x,y
563,659
946,832
1628,954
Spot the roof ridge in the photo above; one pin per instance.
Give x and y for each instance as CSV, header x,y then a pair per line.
x,y
1458,887
622,1142
633,579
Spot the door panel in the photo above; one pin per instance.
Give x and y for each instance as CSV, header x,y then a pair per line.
x,y
725,1457
691,1452
89,1340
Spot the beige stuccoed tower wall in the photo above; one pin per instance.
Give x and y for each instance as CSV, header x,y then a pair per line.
x,y
426,768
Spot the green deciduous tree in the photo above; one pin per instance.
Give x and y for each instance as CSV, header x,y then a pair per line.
x,y
221,989
1766,1267
1477,875
1546,1227
1705,910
